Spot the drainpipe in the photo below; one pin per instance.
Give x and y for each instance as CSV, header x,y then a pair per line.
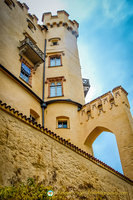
x,y
43,104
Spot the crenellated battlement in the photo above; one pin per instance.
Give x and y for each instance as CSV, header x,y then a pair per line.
x,y
61,19
106,102
23,6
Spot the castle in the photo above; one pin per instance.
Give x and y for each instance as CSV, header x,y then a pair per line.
x,y
42,91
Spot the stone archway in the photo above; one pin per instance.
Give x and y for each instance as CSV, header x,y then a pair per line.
x,y
94,134
111,113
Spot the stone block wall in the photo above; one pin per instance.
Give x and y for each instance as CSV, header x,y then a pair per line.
x,y
28,150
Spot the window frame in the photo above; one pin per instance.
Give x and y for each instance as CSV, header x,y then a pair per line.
x,y
56,87
55,64
55,80
23,61
62,119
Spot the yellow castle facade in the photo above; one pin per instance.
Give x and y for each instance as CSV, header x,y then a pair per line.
x,y
41,78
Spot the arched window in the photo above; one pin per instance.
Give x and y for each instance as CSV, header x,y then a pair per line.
x,y
25,72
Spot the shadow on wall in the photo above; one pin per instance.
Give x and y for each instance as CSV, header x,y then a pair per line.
x,y
105,149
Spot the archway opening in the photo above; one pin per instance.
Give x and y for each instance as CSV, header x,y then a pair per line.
x,y
105,149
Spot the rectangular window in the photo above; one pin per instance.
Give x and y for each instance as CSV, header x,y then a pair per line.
x,y
55,61
25,72
62,124
55,89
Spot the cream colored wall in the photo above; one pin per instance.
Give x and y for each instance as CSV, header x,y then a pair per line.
x,y
16,96
68,110
13,24
35,154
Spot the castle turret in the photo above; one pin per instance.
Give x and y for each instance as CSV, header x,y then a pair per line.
x,y
63,72
64,93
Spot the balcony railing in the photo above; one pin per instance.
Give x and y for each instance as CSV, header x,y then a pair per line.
x,y
31,51
86,85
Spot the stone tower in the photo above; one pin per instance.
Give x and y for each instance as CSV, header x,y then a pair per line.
x,y
64,92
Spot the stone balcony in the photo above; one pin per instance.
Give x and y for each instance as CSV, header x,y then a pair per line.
x,y
31,51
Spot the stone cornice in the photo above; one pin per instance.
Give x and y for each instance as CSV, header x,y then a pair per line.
x,y
28,121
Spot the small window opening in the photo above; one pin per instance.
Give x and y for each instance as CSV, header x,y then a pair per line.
x,y
31,25
62,124
55,43
55,89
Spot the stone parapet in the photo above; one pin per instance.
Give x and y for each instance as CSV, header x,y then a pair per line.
x,y
106,102
61,19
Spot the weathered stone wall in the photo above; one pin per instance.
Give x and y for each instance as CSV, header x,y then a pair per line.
x,y
26,152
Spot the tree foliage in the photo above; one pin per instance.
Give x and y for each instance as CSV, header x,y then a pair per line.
x,y
29,191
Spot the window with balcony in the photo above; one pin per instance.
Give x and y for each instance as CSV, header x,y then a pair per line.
x,y
25,73
55,61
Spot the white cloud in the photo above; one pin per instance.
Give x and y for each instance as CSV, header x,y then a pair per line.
x,y
89,70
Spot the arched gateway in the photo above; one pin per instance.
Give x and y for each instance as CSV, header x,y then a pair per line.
x,y
111,113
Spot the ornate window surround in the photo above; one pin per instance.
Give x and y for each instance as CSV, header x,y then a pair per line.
x,y
55,79
55,56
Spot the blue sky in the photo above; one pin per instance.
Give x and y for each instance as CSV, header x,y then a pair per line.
x,y
105,48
